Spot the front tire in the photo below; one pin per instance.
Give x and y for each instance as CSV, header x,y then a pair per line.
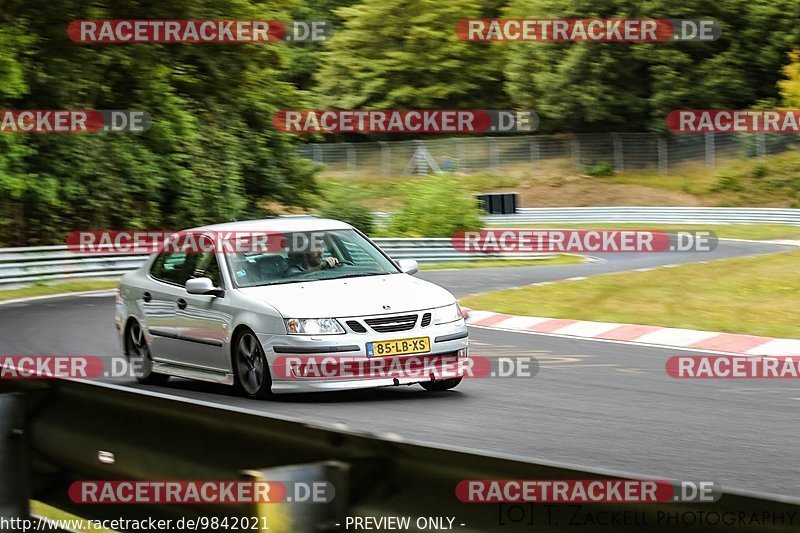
x,y
441,384
250,368
139,357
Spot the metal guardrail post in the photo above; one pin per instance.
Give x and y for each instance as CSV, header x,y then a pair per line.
x,y
386,158
619,158
14,483
351,158
306,484
663,161
761,145
493,156
710,152
460,154
575,152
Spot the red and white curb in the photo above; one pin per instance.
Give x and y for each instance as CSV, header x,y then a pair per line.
x,y
638,334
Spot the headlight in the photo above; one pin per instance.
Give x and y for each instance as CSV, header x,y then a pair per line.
x,y
447,314
313,326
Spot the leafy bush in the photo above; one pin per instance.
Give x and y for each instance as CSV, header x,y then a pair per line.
x,y
599,169
437,206
759,171
726,182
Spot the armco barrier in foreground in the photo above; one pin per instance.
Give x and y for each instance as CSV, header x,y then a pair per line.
x,y
92,431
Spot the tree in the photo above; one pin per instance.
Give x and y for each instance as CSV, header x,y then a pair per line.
x,y
211,155
790,87
302,60
406,55
586,86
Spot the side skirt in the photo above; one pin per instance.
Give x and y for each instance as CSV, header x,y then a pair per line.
x,y
193,372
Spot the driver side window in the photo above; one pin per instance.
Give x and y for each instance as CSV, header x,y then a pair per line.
x,y
206,266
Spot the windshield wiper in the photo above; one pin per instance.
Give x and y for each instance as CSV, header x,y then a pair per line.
x,y
361,275
285,282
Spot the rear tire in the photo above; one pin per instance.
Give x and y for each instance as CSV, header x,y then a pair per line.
x,y
138,353
250,367
441,384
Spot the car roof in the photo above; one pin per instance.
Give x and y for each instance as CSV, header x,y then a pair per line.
x,y
279,224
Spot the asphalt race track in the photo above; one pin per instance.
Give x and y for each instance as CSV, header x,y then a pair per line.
x,y
470,281
597,404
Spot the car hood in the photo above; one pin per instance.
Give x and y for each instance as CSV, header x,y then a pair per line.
x,y
350,297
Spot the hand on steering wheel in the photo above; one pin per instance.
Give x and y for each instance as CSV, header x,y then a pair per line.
x,y
330,262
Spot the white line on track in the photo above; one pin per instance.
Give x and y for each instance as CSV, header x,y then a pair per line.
x,y
83,294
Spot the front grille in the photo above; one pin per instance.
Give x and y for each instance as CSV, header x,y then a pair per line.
x,y
392,323
356,326
426,320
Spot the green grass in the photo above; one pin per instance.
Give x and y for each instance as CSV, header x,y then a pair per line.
x,y
724,231
56,288
754,295
388,193
692,178
561,259
772,180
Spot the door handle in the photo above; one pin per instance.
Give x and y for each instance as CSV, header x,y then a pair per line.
x,y
147,297
181,303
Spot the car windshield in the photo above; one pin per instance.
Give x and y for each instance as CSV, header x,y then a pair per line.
x,y
310,256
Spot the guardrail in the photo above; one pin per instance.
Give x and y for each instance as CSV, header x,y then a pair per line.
x,y
441,250
20,266
81,430
660,215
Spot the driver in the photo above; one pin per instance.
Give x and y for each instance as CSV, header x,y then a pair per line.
x,y
310,261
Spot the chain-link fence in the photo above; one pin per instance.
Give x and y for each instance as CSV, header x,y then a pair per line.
x,y
579,152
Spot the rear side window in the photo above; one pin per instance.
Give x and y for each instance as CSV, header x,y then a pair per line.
x,y
170,268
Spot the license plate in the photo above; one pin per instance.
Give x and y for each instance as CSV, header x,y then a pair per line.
x,y
399,347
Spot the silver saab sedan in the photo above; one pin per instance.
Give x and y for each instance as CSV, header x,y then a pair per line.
x,y
315,306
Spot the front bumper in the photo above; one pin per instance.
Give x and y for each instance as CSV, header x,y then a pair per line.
x,y
446,339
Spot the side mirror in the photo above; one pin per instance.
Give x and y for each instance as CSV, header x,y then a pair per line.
x,y
409,266
203,286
